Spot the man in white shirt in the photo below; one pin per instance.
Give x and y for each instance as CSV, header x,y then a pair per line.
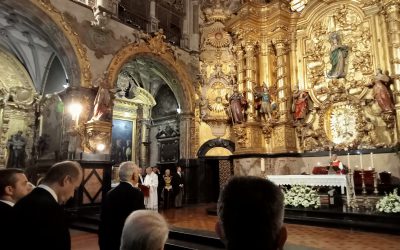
x,y
13,186
151,181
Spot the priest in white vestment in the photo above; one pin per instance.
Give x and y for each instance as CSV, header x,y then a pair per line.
x,y
151,181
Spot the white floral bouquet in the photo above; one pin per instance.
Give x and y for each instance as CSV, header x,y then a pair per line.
x,y
390,203
300,195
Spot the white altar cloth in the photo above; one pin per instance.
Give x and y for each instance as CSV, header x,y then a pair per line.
x,y
310,180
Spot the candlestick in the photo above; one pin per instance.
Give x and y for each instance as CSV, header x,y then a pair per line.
x,y
361,163
372,160
330,153
262,165
348,160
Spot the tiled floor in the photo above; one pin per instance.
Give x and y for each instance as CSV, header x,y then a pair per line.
x,y
299,236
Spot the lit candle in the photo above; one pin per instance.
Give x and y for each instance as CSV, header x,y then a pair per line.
x,y
348,160
372,160
262,165
361,164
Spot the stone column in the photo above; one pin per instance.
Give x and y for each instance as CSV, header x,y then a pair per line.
x,y
144,140
153,19
392,11
191,37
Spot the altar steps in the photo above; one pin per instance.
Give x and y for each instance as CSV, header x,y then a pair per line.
x,y
339,218
343,218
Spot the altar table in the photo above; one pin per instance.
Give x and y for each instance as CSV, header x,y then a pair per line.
x,y
310,180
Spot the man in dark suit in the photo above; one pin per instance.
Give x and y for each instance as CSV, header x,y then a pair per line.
x,y
44,223
160,186
177,186
13,186
118,204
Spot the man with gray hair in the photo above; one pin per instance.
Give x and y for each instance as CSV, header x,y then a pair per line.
x,y
144,230
118,204
250,214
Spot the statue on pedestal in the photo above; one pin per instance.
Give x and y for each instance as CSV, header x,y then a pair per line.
x,y
236,103
337,57
102,105
301,104
16,145
382,93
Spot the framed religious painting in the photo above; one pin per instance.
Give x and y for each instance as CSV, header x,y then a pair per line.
x,y
121,145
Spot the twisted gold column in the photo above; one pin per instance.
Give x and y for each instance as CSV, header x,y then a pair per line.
x,y
250,79
240,66
283,135
282,75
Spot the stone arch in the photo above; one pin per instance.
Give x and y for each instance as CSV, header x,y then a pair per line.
x,y
183,89
208,145
64,40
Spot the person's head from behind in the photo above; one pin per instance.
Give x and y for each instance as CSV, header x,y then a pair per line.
x,y
129,172
144,230
250,213
64,178
13,184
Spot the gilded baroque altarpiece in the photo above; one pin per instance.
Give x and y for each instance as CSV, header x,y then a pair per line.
x,y
316,72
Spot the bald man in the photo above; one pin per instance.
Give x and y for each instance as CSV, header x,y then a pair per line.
x,y
45,226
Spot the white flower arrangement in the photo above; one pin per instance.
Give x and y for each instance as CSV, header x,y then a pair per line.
x,y
300,195
390,203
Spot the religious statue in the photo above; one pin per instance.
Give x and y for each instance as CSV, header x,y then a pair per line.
x,y
382,92
17,150
236,103
101,17
337,57
102,104
301,104
264,105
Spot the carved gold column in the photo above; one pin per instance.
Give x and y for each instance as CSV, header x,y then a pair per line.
x,y
240,66
284,135
186,135
264,62
392,9
282,75
250,79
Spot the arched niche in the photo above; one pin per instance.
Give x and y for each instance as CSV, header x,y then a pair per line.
x,y
59,34
157,56
216,143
